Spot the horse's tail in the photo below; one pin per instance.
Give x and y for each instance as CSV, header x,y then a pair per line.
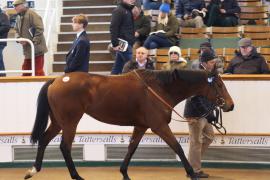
x,y
42,115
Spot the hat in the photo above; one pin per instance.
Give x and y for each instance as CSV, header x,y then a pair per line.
x,y
207,55
205,44
138,4
175,49
244,42
17,2
165,8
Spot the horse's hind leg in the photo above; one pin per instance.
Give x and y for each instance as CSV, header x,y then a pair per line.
x,y
166,134
137,135
50,133
65,146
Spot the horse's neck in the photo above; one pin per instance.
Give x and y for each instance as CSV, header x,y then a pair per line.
x,y
179,91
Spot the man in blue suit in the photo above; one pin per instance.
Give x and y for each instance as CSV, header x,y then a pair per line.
x,y
77,58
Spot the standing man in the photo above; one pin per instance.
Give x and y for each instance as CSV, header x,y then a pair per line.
x,y
201,132
77,58
29,25
122,26
4,28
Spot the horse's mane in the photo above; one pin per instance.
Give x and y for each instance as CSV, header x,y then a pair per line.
x,y
167,77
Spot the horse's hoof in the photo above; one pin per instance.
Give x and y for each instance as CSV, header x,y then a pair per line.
x,y
27,176
195,178
79,178
30,173
127,178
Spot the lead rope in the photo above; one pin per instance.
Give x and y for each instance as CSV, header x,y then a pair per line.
x,y
161,99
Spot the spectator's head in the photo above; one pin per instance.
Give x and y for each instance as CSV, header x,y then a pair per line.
x,y
245,46
174,53
164,10
208,59
136,11
20,5
204,46
141,55
79,22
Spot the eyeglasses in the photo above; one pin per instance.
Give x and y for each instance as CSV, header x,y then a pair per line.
x,y
173,53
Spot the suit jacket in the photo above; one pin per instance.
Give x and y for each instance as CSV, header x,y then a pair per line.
x,y
77,58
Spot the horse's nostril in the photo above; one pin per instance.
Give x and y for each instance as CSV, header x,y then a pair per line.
x,y
232,106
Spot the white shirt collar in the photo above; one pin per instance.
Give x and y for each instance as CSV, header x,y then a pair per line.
x,y
141,64
79,33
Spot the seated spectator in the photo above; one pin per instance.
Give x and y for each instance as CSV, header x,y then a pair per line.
x,y
142,26
190,12
205,46
175,59
151,4
4,29
164,34
141,61
247,60
222,13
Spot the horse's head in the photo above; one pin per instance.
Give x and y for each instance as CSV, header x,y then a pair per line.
x,y
218,93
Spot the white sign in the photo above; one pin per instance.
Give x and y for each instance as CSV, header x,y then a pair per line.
x,y
148,139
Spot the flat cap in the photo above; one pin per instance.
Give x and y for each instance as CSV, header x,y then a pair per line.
x,y
244,42
17,2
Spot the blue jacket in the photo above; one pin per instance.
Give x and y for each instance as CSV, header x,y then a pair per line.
x,y
183,7
77,58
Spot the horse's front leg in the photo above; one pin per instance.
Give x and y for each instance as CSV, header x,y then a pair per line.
x,y
166,134
137,135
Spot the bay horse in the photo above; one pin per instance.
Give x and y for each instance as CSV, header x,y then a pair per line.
x,y
123,100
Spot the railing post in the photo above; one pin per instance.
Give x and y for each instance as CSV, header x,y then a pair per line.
x,y
32,56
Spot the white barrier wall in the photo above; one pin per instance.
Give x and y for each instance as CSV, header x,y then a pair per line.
x,y
251,113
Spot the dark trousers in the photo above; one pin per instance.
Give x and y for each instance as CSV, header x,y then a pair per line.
x,y
39,62
154,41
2,65
120,60
215,18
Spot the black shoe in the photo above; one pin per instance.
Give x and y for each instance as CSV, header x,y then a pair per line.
x,y
199,174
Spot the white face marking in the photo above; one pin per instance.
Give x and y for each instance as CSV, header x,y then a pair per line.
x,y
65,79
210,80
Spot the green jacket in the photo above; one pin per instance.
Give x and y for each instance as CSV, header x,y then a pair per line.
x,y
143,26
171,29
30,21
